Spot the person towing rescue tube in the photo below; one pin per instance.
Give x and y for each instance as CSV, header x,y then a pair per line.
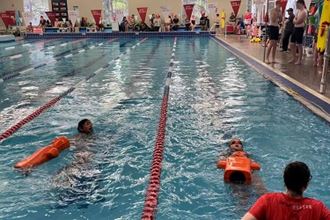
x,y
85,127
238,167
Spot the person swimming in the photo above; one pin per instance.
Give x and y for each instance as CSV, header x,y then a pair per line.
x,y
234,145
85,126
76,181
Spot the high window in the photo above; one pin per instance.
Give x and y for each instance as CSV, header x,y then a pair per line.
x,y
114,10
37,8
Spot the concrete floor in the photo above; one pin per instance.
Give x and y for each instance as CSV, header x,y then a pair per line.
x,y
306,73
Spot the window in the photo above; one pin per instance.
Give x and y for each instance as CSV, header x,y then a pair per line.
x,y
37,8
114,10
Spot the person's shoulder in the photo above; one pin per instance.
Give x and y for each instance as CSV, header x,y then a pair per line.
x,y
313,201
272,196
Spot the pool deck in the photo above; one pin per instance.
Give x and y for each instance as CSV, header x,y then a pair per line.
x,y
300,81
306,73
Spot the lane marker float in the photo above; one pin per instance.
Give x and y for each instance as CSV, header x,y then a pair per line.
x,y
151,200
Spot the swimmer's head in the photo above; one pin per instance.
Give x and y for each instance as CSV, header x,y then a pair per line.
x,y
236,145
85,126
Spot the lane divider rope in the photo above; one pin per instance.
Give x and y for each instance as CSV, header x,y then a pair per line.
x,y
10,131
5,57
151,199
21,70
60,57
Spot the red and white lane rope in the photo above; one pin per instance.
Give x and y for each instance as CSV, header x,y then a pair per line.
x,y
10,131
151,200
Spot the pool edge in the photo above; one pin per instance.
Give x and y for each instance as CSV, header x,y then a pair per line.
x,y
315,102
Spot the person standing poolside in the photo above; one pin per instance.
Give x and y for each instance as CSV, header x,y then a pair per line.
x,y
288,30
298,33
273,31
291,204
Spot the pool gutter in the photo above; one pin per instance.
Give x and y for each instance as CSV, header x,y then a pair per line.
x,y
314,101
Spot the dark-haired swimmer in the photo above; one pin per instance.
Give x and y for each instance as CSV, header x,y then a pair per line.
x,y
234,145
85,126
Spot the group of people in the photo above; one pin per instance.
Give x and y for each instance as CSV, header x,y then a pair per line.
x,y
67,25
168,23
290,204
294,30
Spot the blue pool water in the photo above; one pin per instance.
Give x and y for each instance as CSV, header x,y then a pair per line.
x,y
213,97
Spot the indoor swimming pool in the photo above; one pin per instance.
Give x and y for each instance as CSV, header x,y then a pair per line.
x,y
213,97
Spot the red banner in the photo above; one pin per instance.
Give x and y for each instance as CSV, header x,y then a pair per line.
x,y
143,12
52,16
189,9
235,5
96,15
8,18
283,4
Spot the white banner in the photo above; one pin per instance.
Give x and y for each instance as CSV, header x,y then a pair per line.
x,y
28,17
165,10
212,10
73,16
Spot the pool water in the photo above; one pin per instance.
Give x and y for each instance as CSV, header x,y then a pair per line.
x,y
213,97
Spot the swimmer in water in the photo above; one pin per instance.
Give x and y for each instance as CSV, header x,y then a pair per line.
x,y
235,145
85,126
82,145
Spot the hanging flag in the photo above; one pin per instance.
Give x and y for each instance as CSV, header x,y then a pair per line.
x,y
7,19
283,4
189,9
73,16
96,15
51,16
142,12
235,5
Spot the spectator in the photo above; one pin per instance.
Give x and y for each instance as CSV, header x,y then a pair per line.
x,y
273,31
152,21
193,23
187,24
292,204
157,23
42,22
298,32
288,30
232,18
123,26
168,23
247,17
175,23
69,26
83,22
131,23
48,24
202,22
144,27
56,23
29,28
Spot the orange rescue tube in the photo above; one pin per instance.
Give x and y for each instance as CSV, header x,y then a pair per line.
x,y
45,154
238,167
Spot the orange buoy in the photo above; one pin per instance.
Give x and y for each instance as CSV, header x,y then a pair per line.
x,y
45,154
238,167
